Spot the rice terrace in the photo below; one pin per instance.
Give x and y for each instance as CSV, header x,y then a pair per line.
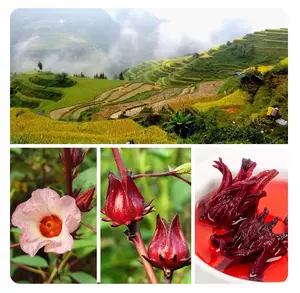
x,y
217,96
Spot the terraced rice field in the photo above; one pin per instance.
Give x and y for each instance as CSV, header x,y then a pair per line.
x,y
201,90
33,128
237,98
219,62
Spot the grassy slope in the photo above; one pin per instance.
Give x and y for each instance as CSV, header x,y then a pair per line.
x,y
270,47
86,89
33,128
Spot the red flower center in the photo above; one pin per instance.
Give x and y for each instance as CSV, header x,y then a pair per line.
x,y
50,226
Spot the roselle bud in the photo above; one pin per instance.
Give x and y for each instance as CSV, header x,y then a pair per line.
x,y
84,200
76,157
236,198
168,249
124,203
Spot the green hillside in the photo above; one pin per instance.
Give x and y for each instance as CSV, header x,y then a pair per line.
x,y
218,96
260,48
43,90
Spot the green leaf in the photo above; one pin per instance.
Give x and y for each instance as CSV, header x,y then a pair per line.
x,y
185,168
83,278
16,233
32,261
91,241
15,230
16,150
84,251
16,175
86,179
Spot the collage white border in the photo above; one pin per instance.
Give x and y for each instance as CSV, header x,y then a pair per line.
x,y
292,9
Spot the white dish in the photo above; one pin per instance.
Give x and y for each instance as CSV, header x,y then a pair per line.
x,y
266,157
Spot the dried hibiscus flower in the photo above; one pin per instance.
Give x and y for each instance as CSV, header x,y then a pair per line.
x,y
237,198
253,240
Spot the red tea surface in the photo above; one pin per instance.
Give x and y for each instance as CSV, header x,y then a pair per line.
x,y
277,203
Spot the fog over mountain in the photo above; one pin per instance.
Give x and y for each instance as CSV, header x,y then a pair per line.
x,y
111,40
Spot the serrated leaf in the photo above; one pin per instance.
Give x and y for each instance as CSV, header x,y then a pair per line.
x,y
83,278
184,168
32,261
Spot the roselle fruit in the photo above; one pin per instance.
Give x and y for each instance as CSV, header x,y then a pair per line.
x,y
168,249
237,198
253,240
124,203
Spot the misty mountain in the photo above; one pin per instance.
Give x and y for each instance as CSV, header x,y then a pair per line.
x,y
92,40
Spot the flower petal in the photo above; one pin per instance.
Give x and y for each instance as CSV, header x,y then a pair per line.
x,y
60,244
31,239
69,212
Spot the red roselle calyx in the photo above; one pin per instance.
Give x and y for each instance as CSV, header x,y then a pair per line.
x,y
168,249
236,198
124,203
84,200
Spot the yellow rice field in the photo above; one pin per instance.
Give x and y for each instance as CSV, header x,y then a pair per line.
x,y
33,128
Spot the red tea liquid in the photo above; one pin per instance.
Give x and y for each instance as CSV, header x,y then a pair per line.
x,y
277,203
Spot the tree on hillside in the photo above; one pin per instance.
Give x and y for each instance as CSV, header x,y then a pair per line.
x,y
40,65
115,76
81,74
96,76
121,77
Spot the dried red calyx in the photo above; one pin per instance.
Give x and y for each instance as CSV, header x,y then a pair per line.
x,y
236,198
253,240
124,203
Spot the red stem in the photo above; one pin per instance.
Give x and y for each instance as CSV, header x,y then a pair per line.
x,y
134,228
14,245
171,173
119,161
168,280
68,170
141,249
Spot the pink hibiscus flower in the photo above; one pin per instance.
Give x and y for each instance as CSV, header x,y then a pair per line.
x,y
47,220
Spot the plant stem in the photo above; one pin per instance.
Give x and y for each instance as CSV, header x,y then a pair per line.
x,y
57,270
119,161
68,170
135,236
171,173
89,226
168,280
30,269
183,179
133,231
14,245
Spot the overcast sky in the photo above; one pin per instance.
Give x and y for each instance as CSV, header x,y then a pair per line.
x,y
126,37
200,23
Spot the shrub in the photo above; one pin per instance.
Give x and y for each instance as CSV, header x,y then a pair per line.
x,y
87,114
